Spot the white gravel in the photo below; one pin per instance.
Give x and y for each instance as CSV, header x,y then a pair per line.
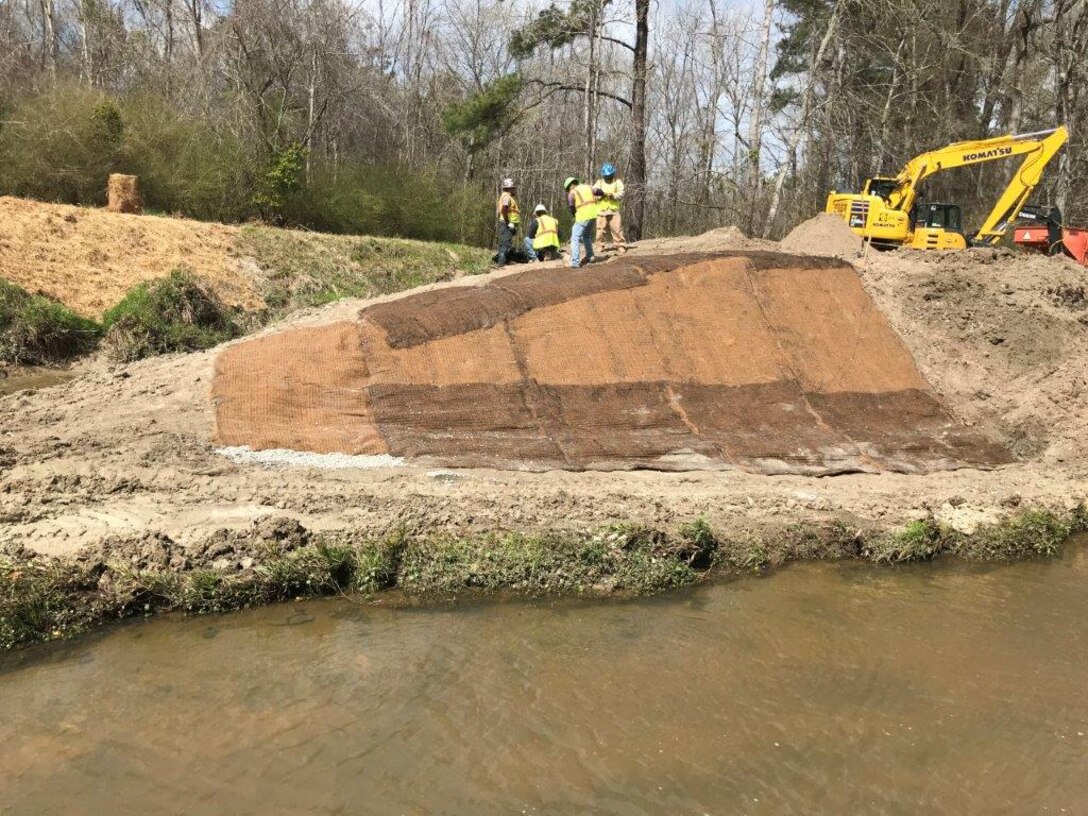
x,y
290,458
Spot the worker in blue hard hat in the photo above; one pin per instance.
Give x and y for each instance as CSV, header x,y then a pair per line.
x,y
610,190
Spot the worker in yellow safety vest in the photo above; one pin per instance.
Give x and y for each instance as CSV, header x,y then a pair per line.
x,y
608,209
509,216
583,206
544,233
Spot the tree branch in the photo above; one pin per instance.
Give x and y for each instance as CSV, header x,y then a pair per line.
x,y
560,86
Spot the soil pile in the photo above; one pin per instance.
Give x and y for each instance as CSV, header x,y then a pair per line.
x,y
1003,337
767,362
825,235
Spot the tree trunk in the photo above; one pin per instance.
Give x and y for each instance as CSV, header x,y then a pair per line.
x,y
588,116
196,12
311,95
710,114
86,70
636,172
49,34
802,126
755,124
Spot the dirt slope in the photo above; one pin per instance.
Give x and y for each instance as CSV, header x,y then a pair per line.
x,y
88,258
1002,336
763,361
128,450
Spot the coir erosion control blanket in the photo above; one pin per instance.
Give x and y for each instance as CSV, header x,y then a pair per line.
x,y
767,362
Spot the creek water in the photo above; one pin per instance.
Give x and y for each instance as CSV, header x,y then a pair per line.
x,y
820,689
19,378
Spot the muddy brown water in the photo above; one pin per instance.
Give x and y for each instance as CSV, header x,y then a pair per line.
x,y
22,378
822,689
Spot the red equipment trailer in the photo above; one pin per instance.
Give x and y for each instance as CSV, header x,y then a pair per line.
x,y
1045,232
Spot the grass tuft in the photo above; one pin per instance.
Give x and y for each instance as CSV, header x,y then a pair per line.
x,y
176,313
918,541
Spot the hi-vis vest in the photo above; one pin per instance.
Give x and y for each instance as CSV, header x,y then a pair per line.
x,y
585,206
512,203
547,232
612,194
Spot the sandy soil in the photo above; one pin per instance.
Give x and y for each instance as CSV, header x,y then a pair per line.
x,y
1002,337
825,234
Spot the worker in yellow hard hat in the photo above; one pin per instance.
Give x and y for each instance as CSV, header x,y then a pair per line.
x,y
608,208
583,206
543,232
509,216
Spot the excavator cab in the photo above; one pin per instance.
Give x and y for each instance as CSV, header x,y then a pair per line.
x,y
879,186
938,226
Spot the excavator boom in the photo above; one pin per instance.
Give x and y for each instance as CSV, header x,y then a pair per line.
x,y
1020,188
881,211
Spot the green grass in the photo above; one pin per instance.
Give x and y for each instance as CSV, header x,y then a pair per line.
x,y
305,269
45,598
176,313
36,330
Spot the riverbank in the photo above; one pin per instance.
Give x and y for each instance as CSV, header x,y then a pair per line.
x,y
277,559
124,456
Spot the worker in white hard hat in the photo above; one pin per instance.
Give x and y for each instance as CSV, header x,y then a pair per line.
x,y
542,237
509,216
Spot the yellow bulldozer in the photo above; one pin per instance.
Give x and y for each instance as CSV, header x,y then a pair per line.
x,y
887,211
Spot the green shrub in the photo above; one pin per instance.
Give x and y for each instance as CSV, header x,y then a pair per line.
x,y
176,313
36,330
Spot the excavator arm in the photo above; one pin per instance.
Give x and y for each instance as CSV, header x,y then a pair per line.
x,y
1020,187
1037,148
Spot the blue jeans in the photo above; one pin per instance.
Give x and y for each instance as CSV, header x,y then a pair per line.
x,y
581,235
506,243
527,245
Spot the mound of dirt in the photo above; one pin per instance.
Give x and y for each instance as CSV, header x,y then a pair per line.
x,y
88,259
826,235
999,336
721,239
766,362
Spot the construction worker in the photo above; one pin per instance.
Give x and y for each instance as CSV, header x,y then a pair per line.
x,y
608,209
509,216
543,233
583,206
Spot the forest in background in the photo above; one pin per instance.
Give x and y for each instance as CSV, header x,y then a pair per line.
x,y
399,117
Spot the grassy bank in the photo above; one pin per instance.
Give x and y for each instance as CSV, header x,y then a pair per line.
x,y
308,269
49,598
183,311
37,330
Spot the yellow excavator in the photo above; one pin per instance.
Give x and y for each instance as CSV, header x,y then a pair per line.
x,y
887,211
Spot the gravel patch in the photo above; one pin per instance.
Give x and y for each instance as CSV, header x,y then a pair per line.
x,y
290,458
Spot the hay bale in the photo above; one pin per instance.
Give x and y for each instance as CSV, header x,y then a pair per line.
x,y
124,194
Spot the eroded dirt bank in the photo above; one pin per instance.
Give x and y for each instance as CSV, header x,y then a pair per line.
x,y
123,453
